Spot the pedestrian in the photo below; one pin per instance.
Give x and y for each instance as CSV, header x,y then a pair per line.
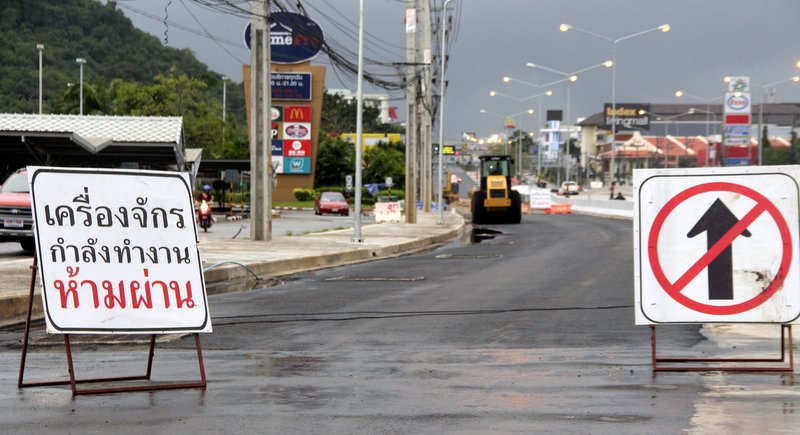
x,y
613,188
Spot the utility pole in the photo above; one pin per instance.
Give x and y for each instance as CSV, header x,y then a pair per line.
x,y
411,112
426,107
260,127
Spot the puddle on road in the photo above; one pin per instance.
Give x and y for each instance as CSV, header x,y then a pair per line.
x,y
479,234
483,234
291,365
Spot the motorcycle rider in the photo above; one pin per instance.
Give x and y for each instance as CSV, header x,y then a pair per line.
x,y
205,195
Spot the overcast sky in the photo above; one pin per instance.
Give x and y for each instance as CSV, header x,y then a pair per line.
x,y
708,40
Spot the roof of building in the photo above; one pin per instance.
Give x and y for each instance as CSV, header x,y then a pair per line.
x,y
79,140
786,114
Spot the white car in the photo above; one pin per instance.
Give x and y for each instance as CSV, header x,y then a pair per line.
x,y
569,188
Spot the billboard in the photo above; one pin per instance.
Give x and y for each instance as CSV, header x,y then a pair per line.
x,y
627,115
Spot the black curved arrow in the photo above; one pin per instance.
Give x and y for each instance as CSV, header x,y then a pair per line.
x,y
716,222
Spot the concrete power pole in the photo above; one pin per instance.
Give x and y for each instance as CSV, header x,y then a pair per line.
x,y
426,106
411,104
260,127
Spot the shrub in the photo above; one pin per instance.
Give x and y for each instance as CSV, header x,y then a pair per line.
x,y
301,194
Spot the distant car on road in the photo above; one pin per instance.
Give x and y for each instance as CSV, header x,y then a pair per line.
x,y
16,219
331,202
569,188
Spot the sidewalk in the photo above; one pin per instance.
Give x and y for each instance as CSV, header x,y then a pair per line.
x,y
239,259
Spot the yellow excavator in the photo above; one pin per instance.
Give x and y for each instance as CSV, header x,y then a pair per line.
x,y
450,191
495,201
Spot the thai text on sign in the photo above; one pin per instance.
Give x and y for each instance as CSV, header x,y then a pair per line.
x,y
117,251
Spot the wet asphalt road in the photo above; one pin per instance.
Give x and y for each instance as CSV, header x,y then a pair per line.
x,y
530,331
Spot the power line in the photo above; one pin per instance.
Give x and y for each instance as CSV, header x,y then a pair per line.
x,y
209,33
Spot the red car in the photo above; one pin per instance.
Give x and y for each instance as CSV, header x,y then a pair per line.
x,y
16,220
331,202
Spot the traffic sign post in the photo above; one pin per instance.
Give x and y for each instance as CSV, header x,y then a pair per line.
x,y
717,245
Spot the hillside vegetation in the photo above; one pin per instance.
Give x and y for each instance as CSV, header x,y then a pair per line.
x,y
127,71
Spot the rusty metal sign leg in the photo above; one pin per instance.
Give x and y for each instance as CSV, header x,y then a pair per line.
x,y
785,346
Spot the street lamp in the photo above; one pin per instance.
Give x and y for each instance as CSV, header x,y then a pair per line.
x,y
708,112
519,136
761,107
567,27
668,118
81,61
539,120
224,105
357,238
708,145
441,112
40,47
570,78
496,94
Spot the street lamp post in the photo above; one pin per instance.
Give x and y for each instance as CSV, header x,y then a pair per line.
x,y
443,53
224,106
761,109
570,78
666,148
357,238
567,27
81,61
519,136
40,47
539,122
708,112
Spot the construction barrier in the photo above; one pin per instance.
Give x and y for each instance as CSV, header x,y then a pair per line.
x,y
559,209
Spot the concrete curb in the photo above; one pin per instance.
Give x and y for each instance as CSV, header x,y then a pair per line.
x,y
14,307
289,266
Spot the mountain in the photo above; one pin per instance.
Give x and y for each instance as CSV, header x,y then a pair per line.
x,y
101,34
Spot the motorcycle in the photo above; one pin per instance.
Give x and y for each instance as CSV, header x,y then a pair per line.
x,y
204,217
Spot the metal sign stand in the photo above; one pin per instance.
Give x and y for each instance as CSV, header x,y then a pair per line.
x,y
73,381
786,345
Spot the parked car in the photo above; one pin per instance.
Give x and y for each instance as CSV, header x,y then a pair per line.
x,y
16,219
331,202
569,188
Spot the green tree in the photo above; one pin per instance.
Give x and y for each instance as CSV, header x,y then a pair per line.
x,y
97,31
335,159
384,160
339,116
775,156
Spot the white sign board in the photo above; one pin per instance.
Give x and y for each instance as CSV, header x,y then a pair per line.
x,y
540,198
738,141
717,245
737,102
117,251
387,212
738,84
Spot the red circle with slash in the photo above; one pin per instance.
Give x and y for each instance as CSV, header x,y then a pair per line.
x,y
674,289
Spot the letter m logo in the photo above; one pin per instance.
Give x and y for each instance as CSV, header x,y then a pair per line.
x,y
297,114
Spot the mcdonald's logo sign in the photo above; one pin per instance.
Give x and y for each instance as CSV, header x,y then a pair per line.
x,y
297,114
